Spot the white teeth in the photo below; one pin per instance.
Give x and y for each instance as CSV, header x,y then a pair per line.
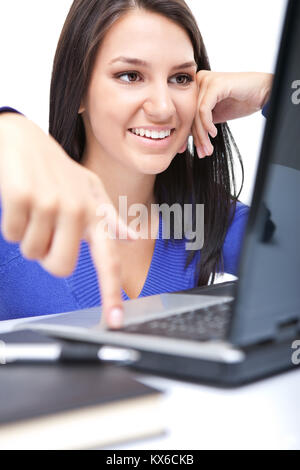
x,y
151,134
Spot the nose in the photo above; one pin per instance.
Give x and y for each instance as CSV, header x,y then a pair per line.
x,y
159,105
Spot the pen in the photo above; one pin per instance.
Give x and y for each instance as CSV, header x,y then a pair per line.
x,y
65,352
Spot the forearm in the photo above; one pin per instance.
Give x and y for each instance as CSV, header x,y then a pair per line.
x,y
266,89
12,123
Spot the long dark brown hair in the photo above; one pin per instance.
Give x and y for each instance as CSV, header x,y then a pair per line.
x,y
209,181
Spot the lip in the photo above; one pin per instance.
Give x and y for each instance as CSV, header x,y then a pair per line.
x,y
154,128
152,143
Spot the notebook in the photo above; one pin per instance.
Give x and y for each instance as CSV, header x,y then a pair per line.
x,y
72,406
235,332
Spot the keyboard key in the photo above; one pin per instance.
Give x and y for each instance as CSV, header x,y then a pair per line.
x,y
199,325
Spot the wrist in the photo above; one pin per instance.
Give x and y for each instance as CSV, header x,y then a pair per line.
x,y
10,125
267,89
8,114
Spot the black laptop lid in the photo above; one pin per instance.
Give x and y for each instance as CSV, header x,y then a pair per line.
x,y
267,305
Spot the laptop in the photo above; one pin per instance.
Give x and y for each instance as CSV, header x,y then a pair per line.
x,y
234,332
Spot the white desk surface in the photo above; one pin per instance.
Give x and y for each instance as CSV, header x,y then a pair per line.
x,y
262,415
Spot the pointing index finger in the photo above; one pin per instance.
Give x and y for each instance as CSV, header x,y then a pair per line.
x,y
107,262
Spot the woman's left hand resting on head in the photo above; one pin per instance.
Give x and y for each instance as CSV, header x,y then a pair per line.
x,y
226,96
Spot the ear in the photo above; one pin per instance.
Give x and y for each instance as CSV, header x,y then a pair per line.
x,y
81,109
82,106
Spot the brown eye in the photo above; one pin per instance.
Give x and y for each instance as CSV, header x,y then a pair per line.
x,y
130,75
184,79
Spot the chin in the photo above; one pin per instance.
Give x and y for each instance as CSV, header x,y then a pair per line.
x,y
155,164
155,169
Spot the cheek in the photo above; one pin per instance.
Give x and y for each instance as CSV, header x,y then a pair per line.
x,y
106,117
188,108
110,107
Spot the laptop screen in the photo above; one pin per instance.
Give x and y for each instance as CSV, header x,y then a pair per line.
x,y
268,297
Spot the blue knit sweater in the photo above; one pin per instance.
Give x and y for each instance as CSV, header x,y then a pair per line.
x,y
26,289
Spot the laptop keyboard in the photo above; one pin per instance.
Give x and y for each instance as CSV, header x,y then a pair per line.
x,y
199,325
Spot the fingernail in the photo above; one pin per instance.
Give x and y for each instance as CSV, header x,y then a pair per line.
x,y
213,132
200,152
115,317
206,150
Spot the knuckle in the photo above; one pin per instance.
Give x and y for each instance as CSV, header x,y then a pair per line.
x,y
11,231
75,211
39,252
29,251
94,183
201,75
13,228
202,109
214,84
94,178
20,198
47,207
217,80
92,213
82,212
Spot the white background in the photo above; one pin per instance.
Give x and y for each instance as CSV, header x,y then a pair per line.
x,y
239,36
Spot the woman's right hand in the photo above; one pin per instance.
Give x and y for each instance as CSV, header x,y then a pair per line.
x,y
50,203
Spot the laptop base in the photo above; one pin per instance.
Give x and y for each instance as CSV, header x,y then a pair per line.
x,y
260,361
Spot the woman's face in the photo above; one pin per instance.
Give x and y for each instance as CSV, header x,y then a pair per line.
x,y
159,94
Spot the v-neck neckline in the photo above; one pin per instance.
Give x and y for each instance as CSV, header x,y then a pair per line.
x,y
149,278
83,282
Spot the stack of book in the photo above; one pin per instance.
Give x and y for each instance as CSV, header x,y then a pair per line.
x,y
79,405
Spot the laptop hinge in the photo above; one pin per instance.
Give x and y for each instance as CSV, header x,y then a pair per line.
x,y
288,329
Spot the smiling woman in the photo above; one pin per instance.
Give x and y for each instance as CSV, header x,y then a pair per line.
x,y
153,101
130,84
104,99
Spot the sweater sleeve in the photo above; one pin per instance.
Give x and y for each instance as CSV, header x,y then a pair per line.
x,y
234,239
8,109
265,110
27,289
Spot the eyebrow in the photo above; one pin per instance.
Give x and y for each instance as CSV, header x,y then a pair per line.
x,y
143,63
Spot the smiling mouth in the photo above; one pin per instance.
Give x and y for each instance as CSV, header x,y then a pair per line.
x,y
153,138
